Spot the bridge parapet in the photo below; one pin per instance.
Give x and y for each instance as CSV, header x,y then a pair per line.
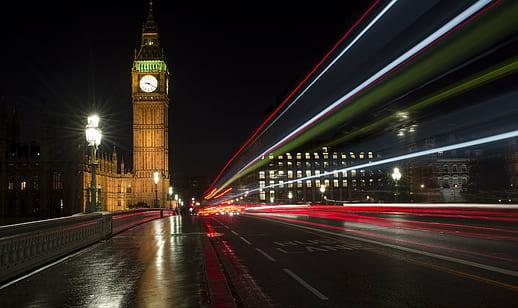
x,y
26,246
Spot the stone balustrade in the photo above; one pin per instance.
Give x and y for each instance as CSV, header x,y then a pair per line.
x,y
27,246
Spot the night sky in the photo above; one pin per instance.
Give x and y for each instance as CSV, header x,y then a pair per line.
x,y
230,64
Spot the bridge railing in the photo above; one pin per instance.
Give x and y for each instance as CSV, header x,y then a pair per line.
x,y
26,246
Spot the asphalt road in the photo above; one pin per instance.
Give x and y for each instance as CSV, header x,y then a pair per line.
x,y
296,259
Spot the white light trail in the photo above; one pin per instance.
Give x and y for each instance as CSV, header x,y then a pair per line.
x,y
469,12
445,148
357,38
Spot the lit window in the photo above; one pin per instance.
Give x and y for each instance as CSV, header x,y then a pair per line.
x,y
316,155
353,172
299,155
279,157
324,149
326,182
262,196
23,185
317,172
57,181
362,155
344,156
288,156
370,155
326,164
299,184
10,185
351,154
261,184
335,183
36,182
281,184
290,185
335,174
308,172
299,173
308,184
290,174
290,164
344,174
280,164
326,156
299,164
317,183
308,164
271,173
270,156
281,172
344,183
335,155
261,174
272,183
308,156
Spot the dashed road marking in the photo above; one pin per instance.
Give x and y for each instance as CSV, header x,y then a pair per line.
x,y
305,284
234,232
245,240
267,256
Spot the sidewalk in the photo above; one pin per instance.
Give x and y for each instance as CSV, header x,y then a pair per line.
x,y
164,263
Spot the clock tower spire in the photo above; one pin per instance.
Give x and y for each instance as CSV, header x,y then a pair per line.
x,y
150,96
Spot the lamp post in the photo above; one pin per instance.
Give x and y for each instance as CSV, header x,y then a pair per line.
x,y
396,176
170,191
156,179
93,137
322,191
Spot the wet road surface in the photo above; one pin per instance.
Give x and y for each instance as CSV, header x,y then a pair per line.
x,y
303,261
157,264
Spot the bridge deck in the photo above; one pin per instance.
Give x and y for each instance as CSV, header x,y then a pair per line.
x,y
156,264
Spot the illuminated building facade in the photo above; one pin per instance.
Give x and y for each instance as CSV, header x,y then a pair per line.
x,y
277,180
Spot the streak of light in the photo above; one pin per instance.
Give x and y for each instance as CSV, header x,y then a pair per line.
x,y
297,88
224,192
446,148
409,54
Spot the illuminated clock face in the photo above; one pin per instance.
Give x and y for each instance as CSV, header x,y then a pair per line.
x,y
148,83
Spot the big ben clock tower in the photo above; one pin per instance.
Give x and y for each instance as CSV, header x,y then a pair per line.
x,y
149,87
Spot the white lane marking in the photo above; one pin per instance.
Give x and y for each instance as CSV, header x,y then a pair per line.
x,y
245,240
267,256
49,266
305,284
412,250
282,250
234,232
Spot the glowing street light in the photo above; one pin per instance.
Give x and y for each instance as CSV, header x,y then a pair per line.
x,y
156,179
396,176
322,188
93,137
170,192
290,195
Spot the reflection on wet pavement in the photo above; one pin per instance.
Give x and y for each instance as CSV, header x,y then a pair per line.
x,y
157,264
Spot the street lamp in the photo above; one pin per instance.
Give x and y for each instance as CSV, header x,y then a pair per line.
x,y
322,191
290,196
93,137
156,179
396,176
170,191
